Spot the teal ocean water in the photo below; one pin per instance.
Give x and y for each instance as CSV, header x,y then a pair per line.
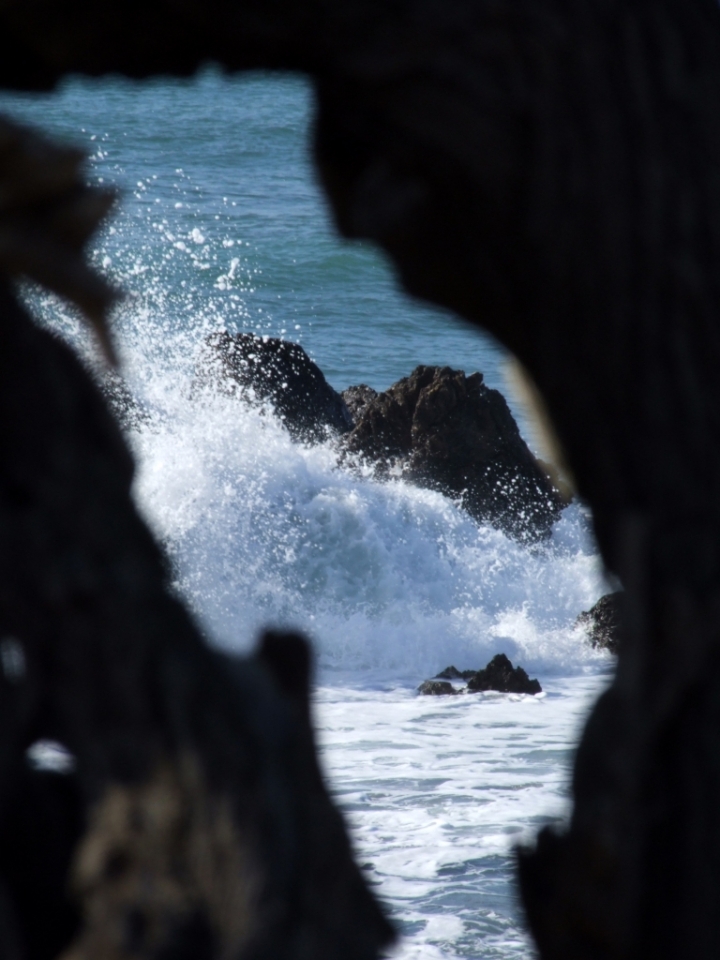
x,y
221,219
221,225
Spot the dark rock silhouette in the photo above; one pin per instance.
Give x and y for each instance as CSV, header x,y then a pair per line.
x,y
604,621
43,820
500,675
437,688
274,371
443,430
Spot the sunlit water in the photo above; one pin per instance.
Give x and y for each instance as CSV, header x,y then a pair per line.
x,y
222,226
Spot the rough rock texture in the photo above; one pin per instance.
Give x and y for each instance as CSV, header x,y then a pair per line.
x,y
550,170
204,820
452,673
357,399
443,430
604,622
437,688
500,675
269,370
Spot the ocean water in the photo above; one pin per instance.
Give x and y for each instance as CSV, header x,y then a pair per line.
x,y
221,226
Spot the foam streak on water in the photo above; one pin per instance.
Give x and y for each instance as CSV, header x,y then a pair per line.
x,y
439,791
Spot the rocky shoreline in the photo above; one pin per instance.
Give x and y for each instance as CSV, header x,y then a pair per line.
x,y
436,428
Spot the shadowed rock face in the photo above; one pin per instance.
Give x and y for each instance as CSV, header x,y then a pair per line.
x,y
604,621
274,371
443,430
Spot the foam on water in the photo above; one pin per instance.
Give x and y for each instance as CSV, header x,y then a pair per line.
x,y
439,791
382,575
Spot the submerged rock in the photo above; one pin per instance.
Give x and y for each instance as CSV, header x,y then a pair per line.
x,y
274,371
437,688
443,430
500,675
603,622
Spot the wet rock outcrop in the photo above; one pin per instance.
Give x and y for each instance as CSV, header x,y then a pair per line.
x,y
500,675
450,432
437,688
603,621
278,372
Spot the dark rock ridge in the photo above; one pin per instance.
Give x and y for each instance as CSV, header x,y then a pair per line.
x,y
280,373
437,688
498,675
603,622
443,430
452,673
437,428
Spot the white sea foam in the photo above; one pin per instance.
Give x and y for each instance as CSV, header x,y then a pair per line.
x,y
383,576
439,791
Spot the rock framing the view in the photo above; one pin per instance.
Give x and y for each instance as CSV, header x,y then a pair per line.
x,y
551,172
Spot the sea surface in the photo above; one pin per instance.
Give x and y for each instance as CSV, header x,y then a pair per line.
x,y
220,225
